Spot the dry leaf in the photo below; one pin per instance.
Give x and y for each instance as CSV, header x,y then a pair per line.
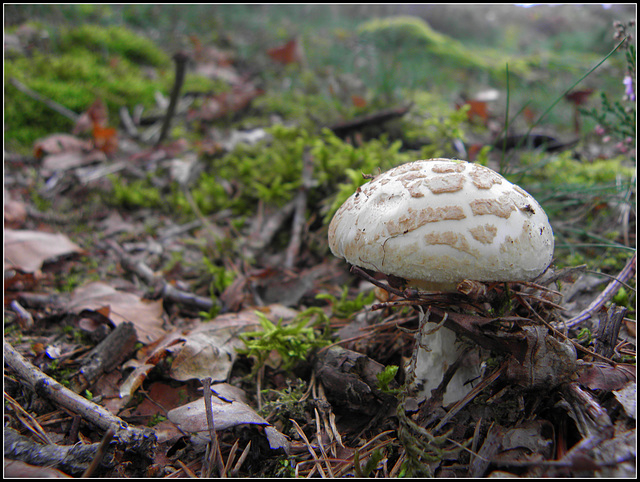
x,y
225,103
145,315
627,398
358,101
105,139
68,160
15,212
477,111
27,250
208,352
601,376
289,53
59,144
18,469
192,418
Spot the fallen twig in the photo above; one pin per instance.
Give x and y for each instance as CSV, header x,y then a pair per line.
x,y
606,295
73,459
213,456
167,290
139,440
181,60
344,128
299,212
60,109
100,452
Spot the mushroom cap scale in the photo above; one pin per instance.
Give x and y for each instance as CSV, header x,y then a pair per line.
x,y
442,221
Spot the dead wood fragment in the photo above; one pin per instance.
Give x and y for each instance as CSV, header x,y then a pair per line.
x,y
100,453
137,440
377,118
166,290
181,59
608,293
107,355
262,234
607,337
349,379
60,109
73,459
299,218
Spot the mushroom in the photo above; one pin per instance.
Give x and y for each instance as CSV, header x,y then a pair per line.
x,y
438,222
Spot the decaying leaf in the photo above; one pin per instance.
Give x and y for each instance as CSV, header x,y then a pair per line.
x,y
192,418
146,315
18,469
289,53
59,144
548,361
27,250
209,351
600,376
627,398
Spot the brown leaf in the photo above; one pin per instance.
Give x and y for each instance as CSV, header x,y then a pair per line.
x,y
98,113
607,377
27,250
59,144
192,418
208,352
18,469
225,103
358,101
144,314
105,139
71,159
289,53
15,213
477,110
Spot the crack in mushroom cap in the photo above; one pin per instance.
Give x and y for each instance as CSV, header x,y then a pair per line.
x,y
443,221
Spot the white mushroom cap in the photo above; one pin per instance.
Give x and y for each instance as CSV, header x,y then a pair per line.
x,y
437,222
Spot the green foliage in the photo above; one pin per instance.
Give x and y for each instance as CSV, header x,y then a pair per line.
x,y
156,419
385,377
221,278
292,341
621,298
271,171
436,125
371,464
114,41
90,62
344,307
614,118
135,194
569,170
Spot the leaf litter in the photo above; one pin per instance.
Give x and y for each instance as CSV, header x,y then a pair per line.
x,y
331,414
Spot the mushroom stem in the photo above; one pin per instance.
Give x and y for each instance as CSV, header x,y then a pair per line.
x,y
437,349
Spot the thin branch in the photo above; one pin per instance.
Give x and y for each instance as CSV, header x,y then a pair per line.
x,y
608,293
60,109
47,387
181,60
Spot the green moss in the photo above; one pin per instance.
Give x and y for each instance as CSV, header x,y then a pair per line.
x,y
563,172
114,41
77,74
402,31
271,171
134,194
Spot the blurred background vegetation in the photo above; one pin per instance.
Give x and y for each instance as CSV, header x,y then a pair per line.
x,y
434,57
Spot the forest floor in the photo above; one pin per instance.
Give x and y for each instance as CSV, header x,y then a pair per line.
x,y
172,308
